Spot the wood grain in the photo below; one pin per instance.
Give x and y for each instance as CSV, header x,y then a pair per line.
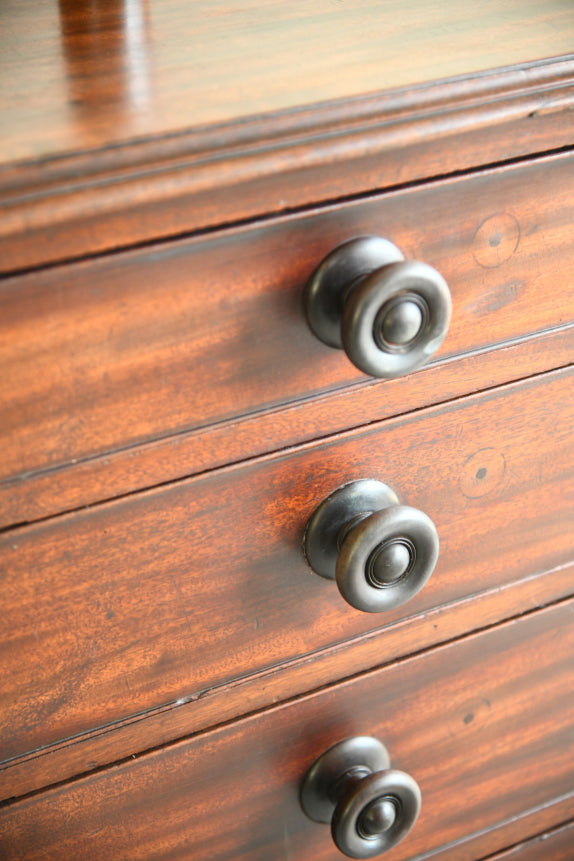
x,y
170,666
94,201
554,845
96,74
531,822
223,703
147,601
152,343
125,471
482,724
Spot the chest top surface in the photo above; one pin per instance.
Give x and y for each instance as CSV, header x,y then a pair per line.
x,y
84,75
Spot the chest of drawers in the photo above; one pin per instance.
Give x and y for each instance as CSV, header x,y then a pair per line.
x,y
183,456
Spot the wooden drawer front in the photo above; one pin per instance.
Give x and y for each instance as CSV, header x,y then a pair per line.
x,y
484,725
555,845
151,600
140,345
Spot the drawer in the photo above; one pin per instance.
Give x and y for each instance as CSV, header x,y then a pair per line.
x,y
144,344
153,600
484,725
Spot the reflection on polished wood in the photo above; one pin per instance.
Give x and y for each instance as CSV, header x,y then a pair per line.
x,y
102,72
106,52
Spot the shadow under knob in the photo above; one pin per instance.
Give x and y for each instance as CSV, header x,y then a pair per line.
x,y
379,552
388,314
370,806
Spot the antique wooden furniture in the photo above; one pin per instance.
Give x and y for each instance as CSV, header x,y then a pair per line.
x,y
286,411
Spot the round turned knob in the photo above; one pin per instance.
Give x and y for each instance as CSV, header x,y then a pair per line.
x,y
389,314
379,552
370,806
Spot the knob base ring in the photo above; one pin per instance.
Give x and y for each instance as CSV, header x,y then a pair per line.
x,y
325,527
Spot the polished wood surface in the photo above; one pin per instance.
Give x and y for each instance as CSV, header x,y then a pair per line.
x,y
171,172
92,74
149,344
482,725
221,704
155,599
554,845
84,100
37,495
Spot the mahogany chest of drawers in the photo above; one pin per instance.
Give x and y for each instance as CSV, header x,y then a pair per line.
x,y
286,411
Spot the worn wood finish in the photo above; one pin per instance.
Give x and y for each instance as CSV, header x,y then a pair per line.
x,y
135,604
37,495
150,343
554,845
482,725
95,749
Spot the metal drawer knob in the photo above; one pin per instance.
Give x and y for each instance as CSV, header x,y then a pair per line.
x,y
370,806
379,552
388,314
